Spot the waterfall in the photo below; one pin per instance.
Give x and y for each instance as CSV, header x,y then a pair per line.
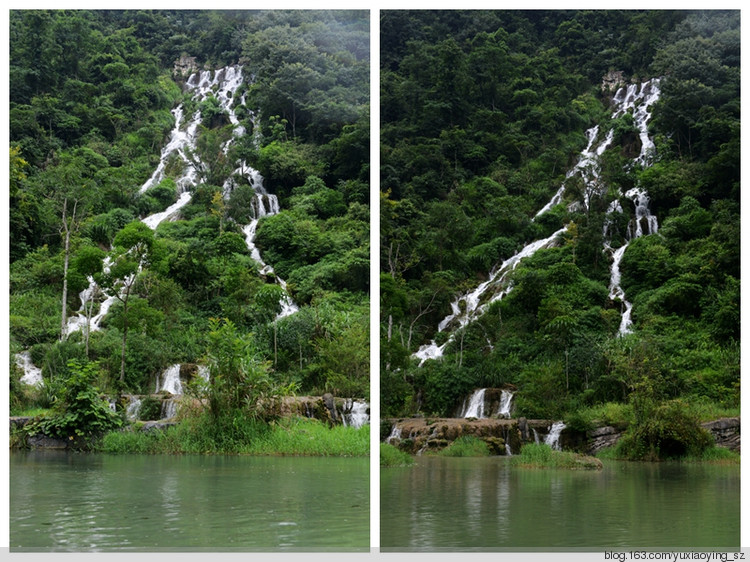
x,y
288,306
32,375
168,408
473,407
223,84
133,408
472,310
536,436
506,397
627,99
644,222
356,413
553,437
394,435
170,380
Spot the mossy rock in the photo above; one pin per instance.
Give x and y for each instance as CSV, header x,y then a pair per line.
x,y
496,445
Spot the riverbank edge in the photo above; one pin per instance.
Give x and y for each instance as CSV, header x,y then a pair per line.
x,y
419,435
288,436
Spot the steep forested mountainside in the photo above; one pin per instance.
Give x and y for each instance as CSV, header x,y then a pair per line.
x,y
602,147
156,158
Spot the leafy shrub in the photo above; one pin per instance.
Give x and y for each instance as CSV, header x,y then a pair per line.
x,y
670,431
150,409
390,456
80,411
466,446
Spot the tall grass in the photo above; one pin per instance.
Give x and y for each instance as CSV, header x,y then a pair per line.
x,y
205,435
391,456
466,446
540,455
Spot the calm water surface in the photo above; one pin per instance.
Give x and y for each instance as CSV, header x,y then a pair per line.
x,y
95,502
461,504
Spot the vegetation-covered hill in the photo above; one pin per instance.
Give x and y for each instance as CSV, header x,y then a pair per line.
x,y
91,100
483,114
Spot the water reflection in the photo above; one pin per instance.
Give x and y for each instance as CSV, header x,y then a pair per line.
x,y
99,502
487,504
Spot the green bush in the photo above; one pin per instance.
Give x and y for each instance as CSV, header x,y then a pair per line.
x,y
541,455
150,409
670,431
466,446
80,411
390,456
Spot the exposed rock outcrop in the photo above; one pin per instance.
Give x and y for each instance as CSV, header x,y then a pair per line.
x,y
185,66
612,80
726,432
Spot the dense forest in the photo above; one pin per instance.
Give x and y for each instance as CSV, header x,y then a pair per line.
x,y
483,114
92,106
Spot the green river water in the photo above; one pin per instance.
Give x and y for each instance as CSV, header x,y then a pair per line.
x,y
94,502
485,504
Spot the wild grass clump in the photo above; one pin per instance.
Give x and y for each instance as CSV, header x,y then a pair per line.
x,y
136,441
706,410
541,455
309,437
466,446
715,455
391,456
614,414
241,435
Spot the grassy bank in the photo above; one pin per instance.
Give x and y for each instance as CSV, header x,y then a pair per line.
x,y
391,456
202,435
466,446
539,455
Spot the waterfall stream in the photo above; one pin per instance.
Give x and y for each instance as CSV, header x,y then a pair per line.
x,y
467,308
479,404
32,375
553,437
223,84
356,413
474,405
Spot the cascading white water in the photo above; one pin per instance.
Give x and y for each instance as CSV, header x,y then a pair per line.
x,y
471,311
223,84
133,408
626,99
32,375
169,380
473,407
644,222
288,306
553,437
356,413
394,435
168,408
616,291
506,398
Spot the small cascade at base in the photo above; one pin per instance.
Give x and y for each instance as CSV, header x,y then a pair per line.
x,y
356,413
487,402
394,435
553,437
168,408
473,406
133,408
169,380
32,375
